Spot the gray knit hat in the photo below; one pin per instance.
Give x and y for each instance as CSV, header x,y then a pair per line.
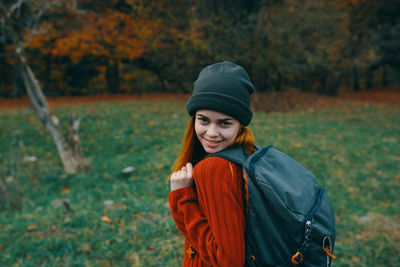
x,y
223,87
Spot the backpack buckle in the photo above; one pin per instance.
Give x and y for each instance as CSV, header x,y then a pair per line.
x,y
297,258
251,259
191,252
327,246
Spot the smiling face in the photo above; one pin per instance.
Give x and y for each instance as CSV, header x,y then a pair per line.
x,y
215,131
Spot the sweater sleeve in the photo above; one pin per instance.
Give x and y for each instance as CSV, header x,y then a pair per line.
x,y
214,221
178,199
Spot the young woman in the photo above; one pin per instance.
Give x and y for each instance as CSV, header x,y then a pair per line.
x,y
207,197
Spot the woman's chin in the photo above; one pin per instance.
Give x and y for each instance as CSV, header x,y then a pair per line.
x,y
212,150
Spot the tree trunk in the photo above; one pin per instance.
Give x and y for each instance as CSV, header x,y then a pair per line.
x,y
369,77
112,76
2,73
354,78
333,84
370,73
16,82
385,77
69,148
116,75
322,82
47,75
277,80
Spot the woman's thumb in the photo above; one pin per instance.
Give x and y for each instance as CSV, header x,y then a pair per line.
x,y
189,168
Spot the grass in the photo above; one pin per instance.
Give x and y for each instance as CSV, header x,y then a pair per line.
x,y
124,220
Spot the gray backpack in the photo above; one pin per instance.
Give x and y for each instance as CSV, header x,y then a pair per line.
x,y
290,219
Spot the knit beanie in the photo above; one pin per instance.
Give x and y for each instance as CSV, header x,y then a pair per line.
x,y
223,87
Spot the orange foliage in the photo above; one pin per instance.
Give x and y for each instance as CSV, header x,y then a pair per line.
x,y
346,4
44,36
109,35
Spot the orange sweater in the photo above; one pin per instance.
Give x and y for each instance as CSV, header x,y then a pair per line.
x,y
211,216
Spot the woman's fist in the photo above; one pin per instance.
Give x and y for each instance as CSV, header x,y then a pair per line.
x,y
183,177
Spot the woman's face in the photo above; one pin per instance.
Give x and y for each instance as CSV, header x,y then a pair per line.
x,y
215,131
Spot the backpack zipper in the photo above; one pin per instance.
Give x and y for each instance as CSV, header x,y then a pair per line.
x,y
317,205
257,157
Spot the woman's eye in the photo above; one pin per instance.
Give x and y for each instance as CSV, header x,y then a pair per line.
x,y
203,120
225,123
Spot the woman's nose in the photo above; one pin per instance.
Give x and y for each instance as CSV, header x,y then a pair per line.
x,y
212,131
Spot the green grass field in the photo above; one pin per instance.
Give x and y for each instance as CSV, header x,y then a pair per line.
x,y
353,150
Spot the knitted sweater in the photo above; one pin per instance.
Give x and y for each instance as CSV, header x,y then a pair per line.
x,y
211,215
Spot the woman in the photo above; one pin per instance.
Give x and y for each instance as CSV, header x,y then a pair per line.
x,y
207,201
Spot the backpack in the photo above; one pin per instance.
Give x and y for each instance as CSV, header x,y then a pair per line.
x,y
290,219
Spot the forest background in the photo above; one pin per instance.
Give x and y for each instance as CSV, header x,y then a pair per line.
x,y
98,62
91,47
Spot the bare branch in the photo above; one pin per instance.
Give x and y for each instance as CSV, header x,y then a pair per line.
x,y
33,28
2,8
3,30
36,96
74,127
14,7
20,29
37,19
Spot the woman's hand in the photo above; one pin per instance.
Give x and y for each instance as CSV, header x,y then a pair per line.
x,y
182,178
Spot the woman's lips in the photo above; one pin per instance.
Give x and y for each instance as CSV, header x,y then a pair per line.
x,y
211,143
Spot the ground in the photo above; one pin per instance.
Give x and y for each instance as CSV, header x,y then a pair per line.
x,y
272,101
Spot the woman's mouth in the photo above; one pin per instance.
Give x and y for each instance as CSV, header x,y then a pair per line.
x,y
212,143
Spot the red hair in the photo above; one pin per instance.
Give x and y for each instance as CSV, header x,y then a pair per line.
x,y
192,150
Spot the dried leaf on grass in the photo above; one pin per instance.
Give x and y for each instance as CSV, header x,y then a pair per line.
x,y
106,219
32,227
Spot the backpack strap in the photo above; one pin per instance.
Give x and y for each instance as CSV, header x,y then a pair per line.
x,y
237,155
234,154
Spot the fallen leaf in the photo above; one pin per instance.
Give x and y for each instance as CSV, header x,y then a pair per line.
x,y
42,236
128,169
32,227
297,145
30,159
106,219
32,119
355,259
65,190
108,202
86,247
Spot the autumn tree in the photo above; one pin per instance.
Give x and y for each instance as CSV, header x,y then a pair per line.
x,y
130,46
20,20
106,32
177,50
373,41
299,44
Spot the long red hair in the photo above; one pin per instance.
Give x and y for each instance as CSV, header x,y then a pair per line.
x,y
192,150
